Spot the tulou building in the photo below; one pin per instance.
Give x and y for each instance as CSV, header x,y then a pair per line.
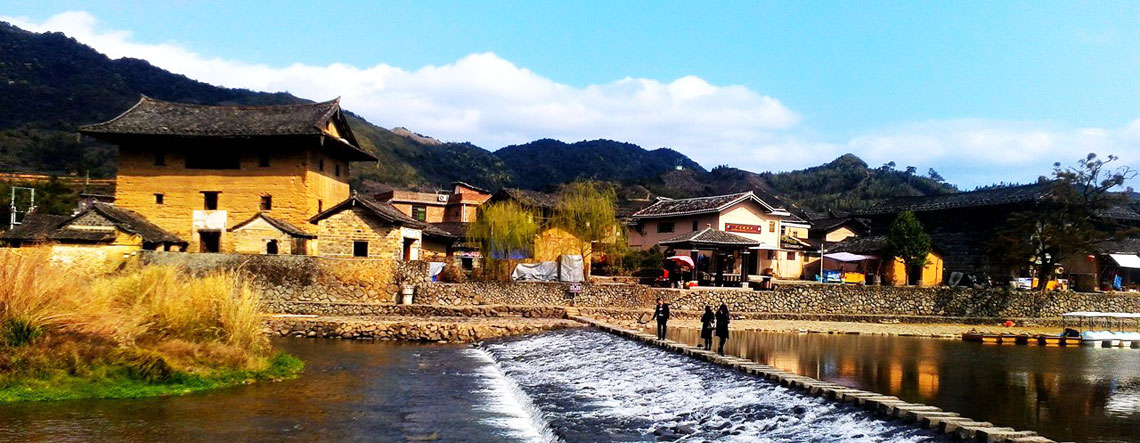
x,y
241,179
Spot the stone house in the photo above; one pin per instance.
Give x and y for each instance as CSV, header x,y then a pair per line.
x,y
95,234
365,228
198,171
773,249
266,234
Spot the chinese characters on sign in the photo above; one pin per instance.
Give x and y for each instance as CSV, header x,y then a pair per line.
x,y
742,228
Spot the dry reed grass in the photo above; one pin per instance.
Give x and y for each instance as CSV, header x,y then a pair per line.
x,y
193,321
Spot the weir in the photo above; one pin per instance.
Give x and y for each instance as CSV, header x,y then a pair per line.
x,y
889,407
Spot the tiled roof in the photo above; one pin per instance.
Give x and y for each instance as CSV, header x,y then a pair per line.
x,y
710,236
986,197
534,199
665,207
1119,246
382,210
281,225
152,117
452,229
1119,213
132,222
35,227
470,186
861,245
51,227
827,224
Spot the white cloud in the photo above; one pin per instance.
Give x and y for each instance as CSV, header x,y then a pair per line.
x,y
491,102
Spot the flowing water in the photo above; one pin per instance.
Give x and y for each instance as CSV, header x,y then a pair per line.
x,y
573,385
1065,393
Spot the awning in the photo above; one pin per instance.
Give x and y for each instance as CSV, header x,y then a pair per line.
x,y
764,247
849,257
1126,260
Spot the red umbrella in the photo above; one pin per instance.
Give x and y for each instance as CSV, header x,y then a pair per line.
x,y
684,260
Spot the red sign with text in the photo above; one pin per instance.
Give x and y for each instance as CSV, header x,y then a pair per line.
x,y
747,229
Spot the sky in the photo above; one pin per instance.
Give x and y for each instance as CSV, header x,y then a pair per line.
x,y
982,92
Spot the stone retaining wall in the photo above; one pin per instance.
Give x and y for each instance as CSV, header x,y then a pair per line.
x,y
433,329
800,299
288,279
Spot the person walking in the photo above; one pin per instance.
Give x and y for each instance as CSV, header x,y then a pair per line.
x,y
707,327
662,316
722,320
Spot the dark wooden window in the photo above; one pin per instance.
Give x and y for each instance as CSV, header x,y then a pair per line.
x,y
213,160
320,205
419,212
210,241
160,159
271,247
791,255
359,248
159,199
663,227
321,164
694,225
266,202
210,200
338,170
263,160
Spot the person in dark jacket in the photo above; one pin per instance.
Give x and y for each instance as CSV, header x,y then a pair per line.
x,y
722,320
707,327
662,316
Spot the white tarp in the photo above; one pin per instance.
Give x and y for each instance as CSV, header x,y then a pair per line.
x,y
1126,260
848,257
542,271
434,268
571,268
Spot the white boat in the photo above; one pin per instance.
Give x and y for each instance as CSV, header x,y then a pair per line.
x,y
1095,336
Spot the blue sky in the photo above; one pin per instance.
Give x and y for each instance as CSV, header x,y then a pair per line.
x,y
981,91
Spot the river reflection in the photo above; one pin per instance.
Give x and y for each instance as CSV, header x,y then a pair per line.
x,y
1069,393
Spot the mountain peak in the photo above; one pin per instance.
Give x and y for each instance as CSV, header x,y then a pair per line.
x,y
416,137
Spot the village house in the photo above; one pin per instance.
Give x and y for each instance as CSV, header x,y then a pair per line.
x,y
826,231
232,178
734,235
362,227
858,257
451,212
99,232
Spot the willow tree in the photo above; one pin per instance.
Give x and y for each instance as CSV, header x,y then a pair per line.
x,y
908,241
588,211
505,232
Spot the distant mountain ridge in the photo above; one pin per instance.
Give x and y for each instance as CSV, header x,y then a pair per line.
x,y
51,84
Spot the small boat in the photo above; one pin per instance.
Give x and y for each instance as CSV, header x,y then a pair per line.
x,y
1105,337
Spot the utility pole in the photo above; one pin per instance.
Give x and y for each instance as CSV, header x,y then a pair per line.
x,y
31,205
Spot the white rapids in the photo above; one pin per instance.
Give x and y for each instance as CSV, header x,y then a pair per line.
x,y
587,385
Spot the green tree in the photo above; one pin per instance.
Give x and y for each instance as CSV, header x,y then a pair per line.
x,y
908,241
503,230
1067,222
588,210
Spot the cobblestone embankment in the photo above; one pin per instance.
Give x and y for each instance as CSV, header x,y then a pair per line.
x,y
419,329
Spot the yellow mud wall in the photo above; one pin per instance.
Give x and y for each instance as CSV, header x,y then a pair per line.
x,y
931,273
254,237
338,232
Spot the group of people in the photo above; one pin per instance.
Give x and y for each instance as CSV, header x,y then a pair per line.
x,y
711,324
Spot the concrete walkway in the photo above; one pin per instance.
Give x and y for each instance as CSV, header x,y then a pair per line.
x,y
889,407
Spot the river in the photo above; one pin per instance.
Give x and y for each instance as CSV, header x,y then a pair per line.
x,y
572,385
1065,393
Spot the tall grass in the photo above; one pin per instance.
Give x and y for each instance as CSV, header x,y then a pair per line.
x,y
207,320
33,295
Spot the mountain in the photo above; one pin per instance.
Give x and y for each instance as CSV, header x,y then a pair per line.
x,y
51,84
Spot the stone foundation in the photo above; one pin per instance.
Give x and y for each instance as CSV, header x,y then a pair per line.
x,y
427,329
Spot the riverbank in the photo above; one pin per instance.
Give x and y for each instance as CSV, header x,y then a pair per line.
x,y
127,332
440,329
